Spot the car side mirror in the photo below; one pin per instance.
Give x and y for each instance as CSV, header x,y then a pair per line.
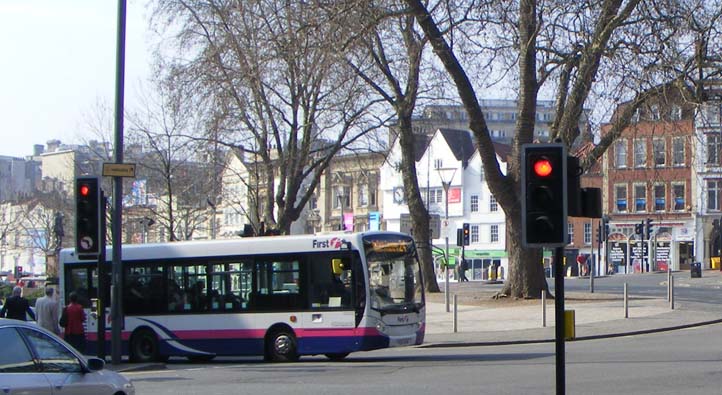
x,y
96,364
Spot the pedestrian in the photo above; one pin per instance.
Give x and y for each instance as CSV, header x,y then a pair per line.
x,y
462,271
16,307
47,309
74,327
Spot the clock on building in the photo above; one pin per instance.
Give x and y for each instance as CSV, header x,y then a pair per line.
x,y
398,195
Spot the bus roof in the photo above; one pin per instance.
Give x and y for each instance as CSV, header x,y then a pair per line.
x,y
230,247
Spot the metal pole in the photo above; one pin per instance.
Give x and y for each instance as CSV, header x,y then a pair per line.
x,y
544,308
446,218
559,318
117,280
671,293
456,317
626,302
591,265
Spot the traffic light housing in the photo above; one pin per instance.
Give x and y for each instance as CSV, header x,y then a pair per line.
x,y
87,216
466,235
638,228
544,195
459,237
648,227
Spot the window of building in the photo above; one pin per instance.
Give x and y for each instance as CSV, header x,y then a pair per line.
x,y
620,195
635,116
713,194
363,195
660,192
494,233
654,112
436,195
438,163
678,151
640,198
587,233
713,148
620,153
678,198
570,232
474,237
342,197
474,204
493,205
675,112
660,151
640,152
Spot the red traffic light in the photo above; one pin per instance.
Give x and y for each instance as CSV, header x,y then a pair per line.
x,y
542,167
84,190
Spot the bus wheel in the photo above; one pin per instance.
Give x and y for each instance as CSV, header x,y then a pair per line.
x,y
337,356
281,346
144,346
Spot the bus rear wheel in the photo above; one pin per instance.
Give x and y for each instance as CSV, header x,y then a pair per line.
x,y
144,347
281,346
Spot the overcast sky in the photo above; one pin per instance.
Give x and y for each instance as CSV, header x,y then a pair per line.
x,y
57,60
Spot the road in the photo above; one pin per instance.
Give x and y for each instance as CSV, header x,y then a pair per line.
x,y
682,362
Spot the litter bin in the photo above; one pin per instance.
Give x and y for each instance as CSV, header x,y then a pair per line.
x,y
696,269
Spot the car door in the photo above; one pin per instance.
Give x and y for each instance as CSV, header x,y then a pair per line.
x,y
19,372
62,368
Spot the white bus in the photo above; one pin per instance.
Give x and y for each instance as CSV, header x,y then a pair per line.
x,y
279,296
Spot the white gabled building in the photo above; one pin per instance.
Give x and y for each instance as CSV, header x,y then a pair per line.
x,y
449,156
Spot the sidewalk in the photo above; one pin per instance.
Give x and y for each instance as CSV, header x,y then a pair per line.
x,y
594,318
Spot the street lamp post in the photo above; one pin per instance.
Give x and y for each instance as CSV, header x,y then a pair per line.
x,y
446,184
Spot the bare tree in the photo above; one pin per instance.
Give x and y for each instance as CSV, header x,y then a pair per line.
x,y
622,48
168,159
272,85
385,49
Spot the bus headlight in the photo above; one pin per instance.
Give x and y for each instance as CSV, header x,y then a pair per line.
x,y
381,327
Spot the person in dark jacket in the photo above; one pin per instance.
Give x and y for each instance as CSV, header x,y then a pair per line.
x,y
16,306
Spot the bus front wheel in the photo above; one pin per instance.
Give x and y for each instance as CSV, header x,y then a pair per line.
x,y
144,346
281,346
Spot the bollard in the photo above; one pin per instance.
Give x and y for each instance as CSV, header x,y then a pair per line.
x,y
671,293
456,322
669,285
626,302
544,309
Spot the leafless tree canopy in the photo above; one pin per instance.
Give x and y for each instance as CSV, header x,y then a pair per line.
x,y
580,53
272,83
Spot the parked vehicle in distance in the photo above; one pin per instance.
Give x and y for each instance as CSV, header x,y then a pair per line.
x,y
35,361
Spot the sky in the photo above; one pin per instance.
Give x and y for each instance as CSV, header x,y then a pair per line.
x,y
57,61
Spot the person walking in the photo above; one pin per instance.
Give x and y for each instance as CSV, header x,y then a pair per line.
x,y
47,310
16,307
463,266
74,328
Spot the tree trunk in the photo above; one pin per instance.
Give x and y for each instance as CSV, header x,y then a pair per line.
x,y
525,278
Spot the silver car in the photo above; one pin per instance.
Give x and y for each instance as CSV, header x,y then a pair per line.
x,y
34,361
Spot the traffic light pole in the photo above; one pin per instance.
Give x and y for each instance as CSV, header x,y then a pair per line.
x,y
116,287
559,318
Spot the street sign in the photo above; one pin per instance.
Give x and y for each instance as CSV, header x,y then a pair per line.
x,y
118,169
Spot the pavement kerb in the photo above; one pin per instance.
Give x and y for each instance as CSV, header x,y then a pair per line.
x,y
452,344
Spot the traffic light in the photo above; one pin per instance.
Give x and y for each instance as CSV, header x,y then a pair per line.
x,y
87,216
459,237
638,228
465,230
544,195
648,228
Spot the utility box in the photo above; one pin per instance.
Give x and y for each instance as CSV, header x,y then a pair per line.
x,y
569,325
696,269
